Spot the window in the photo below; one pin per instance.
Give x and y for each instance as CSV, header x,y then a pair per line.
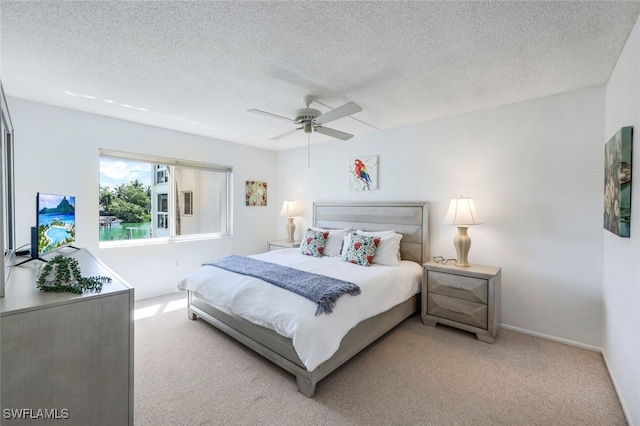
x,y
143,197
163,203
163,221
187,202
162,174
163,211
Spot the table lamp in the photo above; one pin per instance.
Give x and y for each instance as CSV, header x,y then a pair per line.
x,y
462,213
289,209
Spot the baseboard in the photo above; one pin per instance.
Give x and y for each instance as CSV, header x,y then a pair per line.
x,y
552,338
625,410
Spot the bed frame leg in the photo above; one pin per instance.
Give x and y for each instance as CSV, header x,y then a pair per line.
x,y
305,387
191,315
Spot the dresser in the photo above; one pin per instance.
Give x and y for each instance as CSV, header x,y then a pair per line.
x,y
467,298
66,358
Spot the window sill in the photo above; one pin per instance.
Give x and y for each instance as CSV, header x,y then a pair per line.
x,y
160,240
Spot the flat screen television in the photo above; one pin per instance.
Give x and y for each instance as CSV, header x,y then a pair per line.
x,y
56,221
55,224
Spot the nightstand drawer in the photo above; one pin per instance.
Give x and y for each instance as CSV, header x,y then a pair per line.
x,y
471,313
458,286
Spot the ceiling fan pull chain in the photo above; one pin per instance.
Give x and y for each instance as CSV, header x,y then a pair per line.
x,y
308,150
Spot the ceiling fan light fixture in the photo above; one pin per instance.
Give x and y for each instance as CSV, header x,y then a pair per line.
x,y
308,128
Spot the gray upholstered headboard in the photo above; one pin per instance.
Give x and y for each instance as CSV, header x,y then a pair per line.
x,y
409,219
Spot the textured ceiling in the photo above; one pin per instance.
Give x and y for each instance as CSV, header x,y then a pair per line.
x,y
197,66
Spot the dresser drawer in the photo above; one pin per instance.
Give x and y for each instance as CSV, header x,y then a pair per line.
x,y
458,286
463,311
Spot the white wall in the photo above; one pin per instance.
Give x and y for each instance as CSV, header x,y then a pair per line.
x,y
57,151
533,168
535,172
621,267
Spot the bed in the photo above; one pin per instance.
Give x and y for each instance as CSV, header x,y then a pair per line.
x,y
408,219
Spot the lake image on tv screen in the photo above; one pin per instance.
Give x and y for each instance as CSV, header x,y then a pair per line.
x,y
56,221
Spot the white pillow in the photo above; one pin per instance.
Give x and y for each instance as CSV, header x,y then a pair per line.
x,y
333,246
346,240
388,252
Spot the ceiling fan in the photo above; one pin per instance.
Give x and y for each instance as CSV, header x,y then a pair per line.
x,y
312,120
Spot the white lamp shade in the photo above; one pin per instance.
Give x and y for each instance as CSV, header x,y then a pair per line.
x,y
462,212
289,209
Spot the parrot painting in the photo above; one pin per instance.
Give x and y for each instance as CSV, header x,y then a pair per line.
x,y
361,172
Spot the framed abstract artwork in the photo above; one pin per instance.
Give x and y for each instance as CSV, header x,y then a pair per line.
x,y
363,173
617,182
256,193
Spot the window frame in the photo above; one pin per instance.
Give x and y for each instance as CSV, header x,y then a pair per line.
x,y
170,163
7,194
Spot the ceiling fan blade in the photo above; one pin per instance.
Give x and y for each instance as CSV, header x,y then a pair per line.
x,y
257,111
333,133
334,114
285,134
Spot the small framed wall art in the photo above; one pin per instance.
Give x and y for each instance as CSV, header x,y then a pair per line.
x,y
363,173
256,193
617,182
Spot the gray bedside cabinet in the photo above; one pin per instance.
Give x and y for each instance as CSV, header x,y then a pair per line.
x,y
66,358
467,298
282,244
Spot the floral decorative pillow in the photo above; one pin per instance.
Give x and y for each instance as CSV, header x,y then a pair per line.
x,y
313,243
361,249
334,241
388,252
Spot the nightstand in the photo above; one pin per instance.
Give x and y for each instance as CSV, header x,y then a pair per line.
x,y
466,297
282,244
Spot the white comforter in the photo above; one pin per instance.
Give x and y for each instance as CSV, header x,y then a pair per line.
x,y
315,338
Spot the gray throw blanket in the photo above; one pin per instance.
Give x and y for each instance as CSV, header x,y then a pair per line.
x,y
322,290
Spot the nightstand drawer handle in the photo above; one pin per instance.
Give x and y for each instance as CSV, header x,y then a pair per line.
x,y
457,287
458,311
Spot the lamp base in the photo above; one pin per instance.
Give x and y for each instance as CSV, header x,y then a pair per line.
x,y
291,230
462,243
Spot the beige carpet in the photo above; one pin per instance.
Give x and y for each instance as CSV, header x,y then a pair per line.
x,y
188,373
